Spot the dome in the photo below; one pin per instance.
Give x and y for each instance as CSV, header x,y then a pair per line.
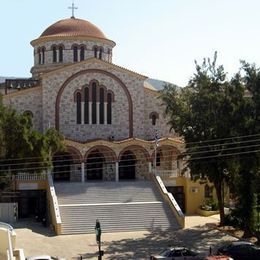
x,y
73,27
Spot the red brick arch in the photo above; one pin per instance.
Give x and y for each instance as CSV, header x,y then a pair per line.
x,y
119,81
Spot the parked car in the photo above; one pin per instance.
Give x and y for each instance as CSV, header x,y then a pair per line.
x,y
241,250
219,257
178,253
41,257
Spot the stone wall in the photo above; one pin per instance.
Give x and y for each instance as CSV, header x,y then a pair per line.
x,y
27,100
153,103
53,82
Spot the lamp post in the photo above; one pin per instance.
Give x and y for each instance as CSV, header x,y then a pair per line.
x,y
98,239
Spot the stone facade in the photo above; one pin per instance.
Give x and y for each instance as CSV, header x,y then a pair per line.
x,y
27,100
67,54
131,131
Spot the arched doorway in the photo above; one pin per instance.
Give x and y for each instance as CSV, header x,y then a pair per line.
x,y
94,165
62,166
127,166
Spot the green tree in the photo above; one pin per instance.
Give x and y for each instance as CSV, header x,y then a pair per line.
x,y
205,113
247,181
22,148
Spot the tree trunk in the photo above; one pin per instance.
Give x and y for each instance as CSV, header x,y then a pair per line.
x,y
218,187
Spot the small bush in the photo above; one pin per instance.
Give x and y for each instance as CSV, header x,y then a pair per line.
x,y
210,204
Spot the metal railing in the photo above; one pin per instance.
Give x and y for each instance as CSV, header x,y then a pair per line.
x,y
171,173
23,176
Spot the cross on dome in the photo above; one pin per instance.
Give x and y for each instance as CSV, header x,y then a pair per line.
x,y
73,7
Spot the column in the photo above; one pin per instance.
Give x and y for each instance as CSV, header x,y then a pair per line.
x,y
82,113
149,167
117,171
90,113
105,113
97,109
82,172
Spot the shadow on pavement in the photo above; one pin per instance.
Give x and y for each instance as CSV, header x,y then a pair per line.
x,y
34,226
199,238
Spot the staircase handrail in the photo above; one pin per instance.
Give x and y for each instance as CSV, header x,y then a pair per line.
x,y
171,200
55,212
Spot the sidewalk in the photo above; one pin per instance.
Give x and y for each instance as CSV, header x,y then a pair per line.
x,y
199,235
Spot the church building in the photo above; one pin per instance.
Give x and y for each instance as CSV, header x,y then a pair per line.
x,y
111,118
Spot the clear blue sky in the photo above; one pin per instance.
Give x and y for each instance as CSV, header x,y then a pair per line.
x,y
157,38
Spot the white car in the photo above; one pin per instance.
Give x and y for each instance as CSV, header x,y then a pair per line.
x,y
41,257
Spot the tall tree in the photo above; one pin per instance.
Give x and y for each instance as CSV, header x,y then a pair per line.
x,y
205,113
247,185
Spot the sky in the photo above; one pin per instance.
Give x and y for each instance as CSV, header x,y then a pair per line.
x,y
157,38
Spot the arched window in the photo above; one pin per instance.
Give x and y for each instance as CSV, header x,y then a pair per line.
x,y
153,119
75,53
39,56
95,52
154,116
101,106
78,100
109,108
28,113
82,53
60,54
54,54
100,53
86,104
94,103
43,55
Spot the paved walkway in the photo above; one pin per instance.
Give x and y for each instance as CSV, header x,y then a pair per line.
x,y
199,235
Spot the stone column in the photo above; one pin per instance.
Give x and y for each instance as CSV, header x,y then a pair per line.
x,y
150,167
90,113
82,172
82,113
105,113
97,109
117,171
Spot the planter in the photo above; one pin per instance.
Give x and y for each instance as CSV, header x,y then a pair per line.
x,y
207,213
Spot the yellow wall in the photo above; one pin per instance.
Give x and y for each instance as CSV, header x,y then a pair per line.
x,y
33,185
194,192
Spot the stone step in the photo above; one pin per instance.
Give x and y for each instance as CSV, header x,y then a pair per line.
x,y
122,206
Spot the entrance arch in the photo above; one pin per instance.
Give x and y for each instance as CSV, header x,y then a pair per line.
x,y
94,165
66,165
62,163
100,163
127,166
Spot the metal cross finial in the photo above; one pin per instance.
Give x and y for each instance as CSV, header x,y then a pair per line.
x,y
73,7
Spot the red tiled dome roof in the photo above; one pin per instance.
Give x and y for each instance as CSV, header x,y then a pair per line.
x,y
73,27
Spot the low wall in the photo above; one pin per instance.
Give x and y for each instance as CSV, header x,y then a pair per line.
x,y
170,200
8,212
53,206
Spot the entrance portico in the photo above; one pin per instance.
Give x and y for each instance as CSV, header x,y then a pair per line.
x,y
116,161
